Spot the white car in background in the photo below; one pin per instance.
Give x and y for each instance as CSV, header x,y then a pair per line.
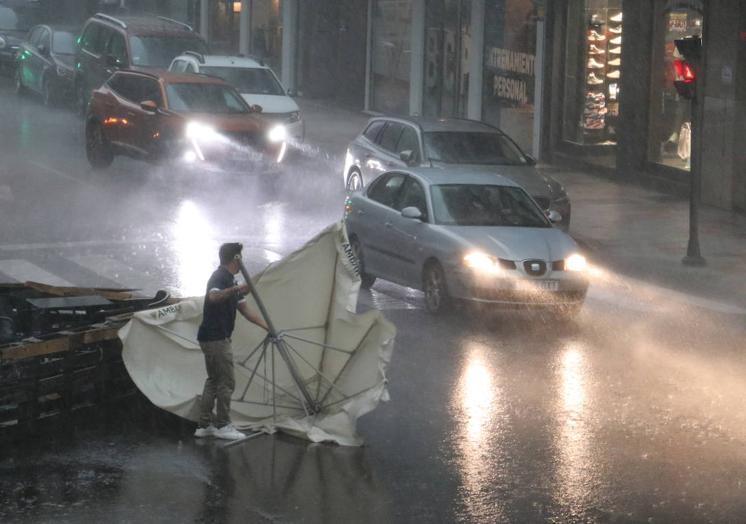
x,y
256,82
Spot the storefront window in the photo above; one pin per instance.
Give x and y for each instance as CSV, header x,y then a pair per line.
x,y
670,115
509,68
447,40
593,59
391,54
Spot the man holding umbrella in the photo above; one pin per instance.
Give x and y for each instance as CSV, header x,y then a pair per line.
x,y
223,298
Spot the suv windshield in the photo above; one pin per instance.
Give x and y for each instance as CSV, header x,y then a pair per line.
x,y
204,98
485,205
63,43
159,51
252,81
469,147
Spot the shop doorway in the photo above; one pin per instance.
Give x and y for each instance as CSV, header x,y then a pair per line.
x,y
447,50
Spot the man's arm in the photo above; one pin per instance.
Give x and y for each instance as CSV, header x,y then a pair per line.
x,y
251,316
218,295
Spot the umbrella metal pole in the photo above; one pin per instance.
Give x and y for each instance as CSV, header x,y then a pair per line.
x,y
311,404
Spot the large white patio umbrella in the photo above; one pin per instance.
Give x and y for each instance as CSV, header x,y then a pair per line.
x,y
319,369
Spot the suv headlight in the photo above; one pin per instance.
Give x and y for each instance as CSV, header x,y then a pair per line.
x,y
277,134
294,117
197,131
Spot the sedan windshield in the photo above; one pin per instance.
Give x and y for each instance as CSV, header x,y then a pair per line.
x,y
159,51
253,81
204,98
485,205
63,43
462,147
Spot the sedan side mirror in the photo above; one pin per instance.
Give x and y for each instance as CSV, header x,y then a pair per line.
x,y
149,106
411,212
407,156
256,108
554,216
292,92
530,160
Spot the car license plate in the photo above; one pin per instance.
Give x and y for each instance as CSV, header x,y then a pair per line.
x,y
548,285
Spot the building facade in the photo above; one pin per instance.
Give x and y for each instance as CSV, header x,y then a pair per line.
x,y
584,81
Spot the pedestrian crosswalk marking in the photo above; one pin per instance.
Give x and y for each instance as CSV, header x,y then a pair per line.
x,y
113,270
23,270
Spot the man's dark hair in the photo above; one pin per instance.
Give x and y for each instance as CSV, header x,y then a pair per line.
x,y
229,251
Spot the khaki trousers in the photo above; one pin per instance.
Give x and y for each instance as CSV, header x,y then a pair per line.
x,y
219,384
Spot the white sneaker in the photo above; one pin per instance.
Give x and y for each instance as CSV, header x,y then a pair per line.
x,y
228,432
209,431
616,41
613,74
615,62
616,18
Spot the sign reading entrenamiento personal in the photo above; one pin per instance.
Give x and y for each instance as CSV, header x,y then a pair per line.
x,y
513,75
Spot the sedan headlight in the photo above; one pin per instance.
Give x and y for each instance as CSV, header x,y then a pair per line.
x,y
277,134
482,263
575,263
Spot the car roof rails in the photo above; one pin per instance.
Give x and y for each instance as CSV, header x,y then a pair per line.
x,y
177,22
255,58
199,56
112,19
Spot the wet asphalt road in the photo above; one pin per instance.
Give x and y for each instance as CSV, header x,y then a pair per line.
x,y
632,413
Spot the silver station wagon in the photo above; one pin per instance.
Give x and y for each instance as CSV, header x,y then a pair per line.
x,y
461,234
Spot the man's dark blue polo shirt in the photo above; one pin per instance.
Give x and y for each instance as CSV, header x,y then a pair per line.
x,y
219,318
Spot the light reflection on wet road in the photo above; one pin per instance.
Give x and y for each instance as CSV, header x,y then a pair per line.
x,y
634,412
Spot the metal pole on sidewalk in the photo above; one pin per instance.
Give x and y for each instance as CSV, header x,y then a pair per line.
x,y
693,256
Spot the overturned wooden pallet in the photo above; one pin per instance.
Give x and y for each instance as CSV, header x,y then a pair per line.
x,y
51,376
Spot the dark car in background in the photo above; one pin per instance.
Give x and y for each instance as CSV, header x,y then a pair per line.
x,y
45,63
108,43
14,26
401,142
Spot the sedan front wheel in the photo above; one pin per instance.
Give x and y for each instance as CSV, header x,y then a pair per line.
x,y
437,298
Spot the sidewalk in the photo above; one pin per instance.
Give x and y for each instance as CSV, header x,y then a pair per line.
x,y
643,233
635,231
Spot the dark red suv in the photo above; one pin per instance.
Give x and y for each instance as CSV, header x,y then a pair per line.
x,y
183,117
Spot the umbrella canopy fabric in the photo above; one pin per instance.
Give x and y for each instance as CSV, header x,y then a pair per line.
x,y
340,357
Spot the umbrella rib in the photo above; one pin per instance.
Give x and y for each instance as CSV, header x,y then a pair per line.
x,y
177,335
341,371
273,383
314,343
251,354
319,373
350,396
256,366
301,329
243,401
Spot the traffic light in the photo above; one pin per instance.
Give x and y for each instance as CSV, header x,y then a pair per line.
x,y
686,68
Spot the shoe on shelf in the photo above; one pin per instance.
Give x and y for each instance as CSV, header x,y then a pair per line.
x,y
593,50
616,18
613,74
615,62
616,41
616,50
594,36
228,432
594,80
595,64
208,431
616,30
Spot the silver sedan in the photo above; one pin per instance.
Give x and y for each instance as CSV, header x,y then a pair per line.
x,y
461,234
